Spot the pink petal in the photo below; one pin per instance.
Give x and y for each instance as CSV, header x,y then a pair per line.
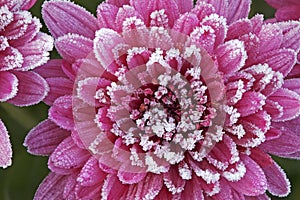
x,y
239,28
293,85
291,37
173,181
31,31
67,157
221,7
91,174
290,102
61,112
72,46
104,50
145,8
106,15
254,100
186,23
271,38
282,60
231,56
149,188
35,53
278,183
281,3
32,89
219,25
184,6
8,86
10,58
113,188
288,13
254,181
27,4
202,10
18,26
238,9
44,138
118,3
128,176
287,143
58,87
51,69
92,192
52,187
63,17
5,147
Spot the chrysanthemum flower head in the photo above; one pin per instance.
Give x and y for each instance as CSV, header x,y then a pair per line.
x,y
166,100
22,48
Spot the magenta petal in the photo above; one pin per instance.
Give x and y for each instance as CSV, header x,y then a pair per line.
x,y
5,147
254,181
281,3
91,174
184,6
52,187
288,142
61,112
289,101
282,60
67,157
129,177
118,3
292,84
63,17
145,8
31,90
106,15
72,46
103,49
113,188
51,69
186,23
44,138
254,100
278,184
231,56
58,87
288,13
270,37
221,7
238,9
27,4
291,36
8,86
35,53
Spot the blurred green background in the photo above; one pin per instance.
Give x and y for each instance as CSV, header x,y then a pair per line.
x,y
21,180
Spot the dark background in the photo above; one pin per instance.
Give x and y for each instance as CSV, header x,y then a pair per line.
x,y
21,180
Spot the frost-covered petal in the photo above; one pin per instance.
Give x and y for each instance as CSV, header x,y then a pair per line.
x,y
51,69
63,17
184,6
32,89
118,3
67,157
52,187
106,40
281,3
231,56
61,112
35,53
106,15
270,37
186,23
44,138
254,181
72,46
278,183
5,147
290,102
91,174
145,8
8,86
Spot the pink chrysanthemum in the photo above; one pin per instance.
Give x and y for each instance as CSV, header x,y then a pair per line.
x,y
286,9
22,48
166,100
